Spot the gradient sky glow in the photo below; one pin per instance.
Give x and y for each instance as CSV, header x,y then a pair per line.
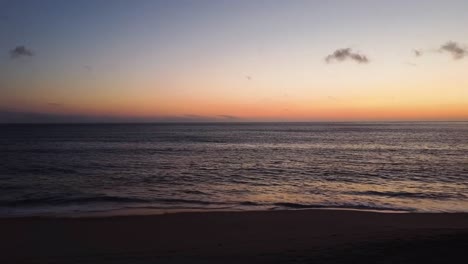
x,y
233,60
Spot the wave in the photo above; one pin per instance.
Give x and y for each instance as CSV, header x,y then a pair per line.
x,y
288,205
248,203
63,201
426,195
135,202
101,199
339,206
186,201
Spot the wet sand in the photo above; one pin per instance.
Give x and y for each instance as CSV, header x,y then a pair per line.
x,y
303,236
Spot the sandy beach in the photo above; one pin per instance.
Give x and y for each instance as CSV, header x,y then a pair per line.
x,y
303,236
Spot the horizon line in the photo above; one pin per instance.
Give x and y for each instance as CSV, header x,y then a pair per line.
x,y
229,122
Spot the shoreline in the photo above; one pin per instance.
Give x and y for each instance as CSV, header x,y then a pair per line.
x,y
129,212
214,237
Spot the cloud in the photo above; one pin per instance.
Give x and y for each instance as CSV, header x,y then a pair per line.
x,y
455,49
18,116
230,117
346,54
193,116
55,104
20,51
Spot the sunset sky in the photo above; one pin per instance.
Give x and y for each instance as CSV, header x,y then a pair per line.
x,y
233,60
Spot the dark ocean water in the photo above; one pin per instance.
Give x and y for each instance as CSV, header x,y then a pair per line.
x,y
58,169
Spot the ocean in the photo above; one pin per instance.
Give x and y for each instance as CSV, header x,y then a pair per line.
x,y
60,169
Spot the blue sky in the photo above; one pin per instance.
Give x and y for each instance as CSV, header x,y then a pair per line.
x,y
187,54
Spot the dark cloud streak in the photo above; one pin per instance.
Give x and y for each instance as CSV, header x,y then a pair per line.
x,y
455,49
346,54
13,116
229,117
20,51
417,53
54,104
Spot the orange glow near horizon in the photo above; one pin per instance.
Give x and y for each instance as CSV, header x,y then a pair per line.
x,y
330,93
234,67
265,110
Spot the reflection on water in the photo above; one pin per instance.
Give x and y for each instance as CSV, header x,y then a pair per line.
x,y
393,166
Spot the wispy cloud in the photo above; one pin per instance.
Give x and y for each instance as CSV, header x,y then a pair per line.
x,y
455,49
20,51
230,117
12,116
346,54
54,104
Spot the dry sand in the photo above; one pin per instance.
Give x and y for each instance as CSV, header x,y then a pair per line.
x,y
305,236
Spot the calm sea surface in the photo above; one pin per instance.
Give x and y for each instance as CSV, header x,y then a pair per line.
x,y
55,169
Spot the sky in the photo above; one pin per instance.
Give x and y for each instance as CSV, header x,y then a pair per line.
x,y
66,61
